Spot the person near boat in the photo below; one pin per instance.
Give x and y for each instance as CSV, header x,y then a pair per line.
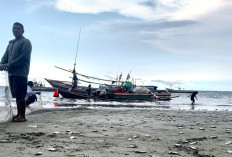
x,y
88,90
16,60
31,95
128,86
74,80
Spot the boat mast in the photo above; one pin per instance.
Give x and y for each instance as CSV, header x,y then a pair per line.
x,y
117,78
77,49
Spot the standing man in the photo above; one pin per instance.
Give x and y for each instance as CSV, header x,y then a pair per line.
x,y
74,80
16,61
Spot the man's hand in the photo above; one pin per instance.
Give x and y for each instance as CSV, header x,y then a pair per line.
x,y
4,66
1,67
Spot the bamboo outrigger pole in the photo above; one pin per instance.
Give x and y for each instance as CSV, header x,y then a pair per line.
x,y
86,76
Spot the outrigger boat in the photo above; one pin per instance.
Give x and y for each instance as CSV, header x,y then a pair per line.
x,y
115,92
65,89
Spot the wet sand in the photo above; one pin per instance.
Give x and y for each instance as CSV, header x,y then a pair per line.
x,y
119,132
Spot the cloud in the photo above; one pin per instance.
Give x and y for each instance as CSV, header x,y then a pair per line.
x,y
177,26
144,32
208,37
190,9
37,4
144,9
141,25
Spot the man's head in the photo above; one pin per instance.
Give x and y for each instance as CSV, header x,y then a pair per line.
x,y
30,83
17,29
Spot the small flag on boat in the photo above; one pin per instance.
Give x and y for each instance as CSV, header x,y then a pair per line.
x,y
56,94
120,76
128,76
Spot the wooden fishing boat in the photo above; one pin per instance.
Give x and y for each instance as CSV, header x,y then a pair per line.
x,y
64,89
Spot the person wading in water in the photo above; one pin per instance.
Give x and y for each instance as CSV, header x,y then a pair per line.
x,y
193,96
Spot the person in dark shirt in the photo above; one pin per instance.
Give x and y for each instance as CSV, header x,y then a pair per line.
x,y
75,80
16,60
193,96
88,90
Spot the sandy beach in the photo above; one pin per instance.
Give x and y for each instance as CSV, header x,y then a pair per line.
x,y
119,132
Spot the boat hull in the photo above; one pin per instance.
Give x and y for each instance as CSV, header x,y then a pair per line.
x,y
73,95
66,91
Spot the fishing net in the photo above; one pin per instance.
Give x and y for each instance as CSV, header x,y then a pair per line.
x,y
7,109
141,90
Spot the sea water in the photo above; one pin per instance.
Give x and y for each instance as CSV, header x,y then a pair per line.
x,y
206,100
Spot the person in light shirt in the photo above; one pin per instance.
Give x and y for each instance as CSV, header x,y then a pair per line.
x,y
31,95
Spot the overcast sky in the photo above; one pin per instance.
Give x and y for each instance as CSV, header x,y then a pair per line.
x,y
185,43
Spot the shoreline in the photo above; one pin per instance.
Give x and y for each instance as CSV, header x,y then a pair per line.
x,y
119,132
